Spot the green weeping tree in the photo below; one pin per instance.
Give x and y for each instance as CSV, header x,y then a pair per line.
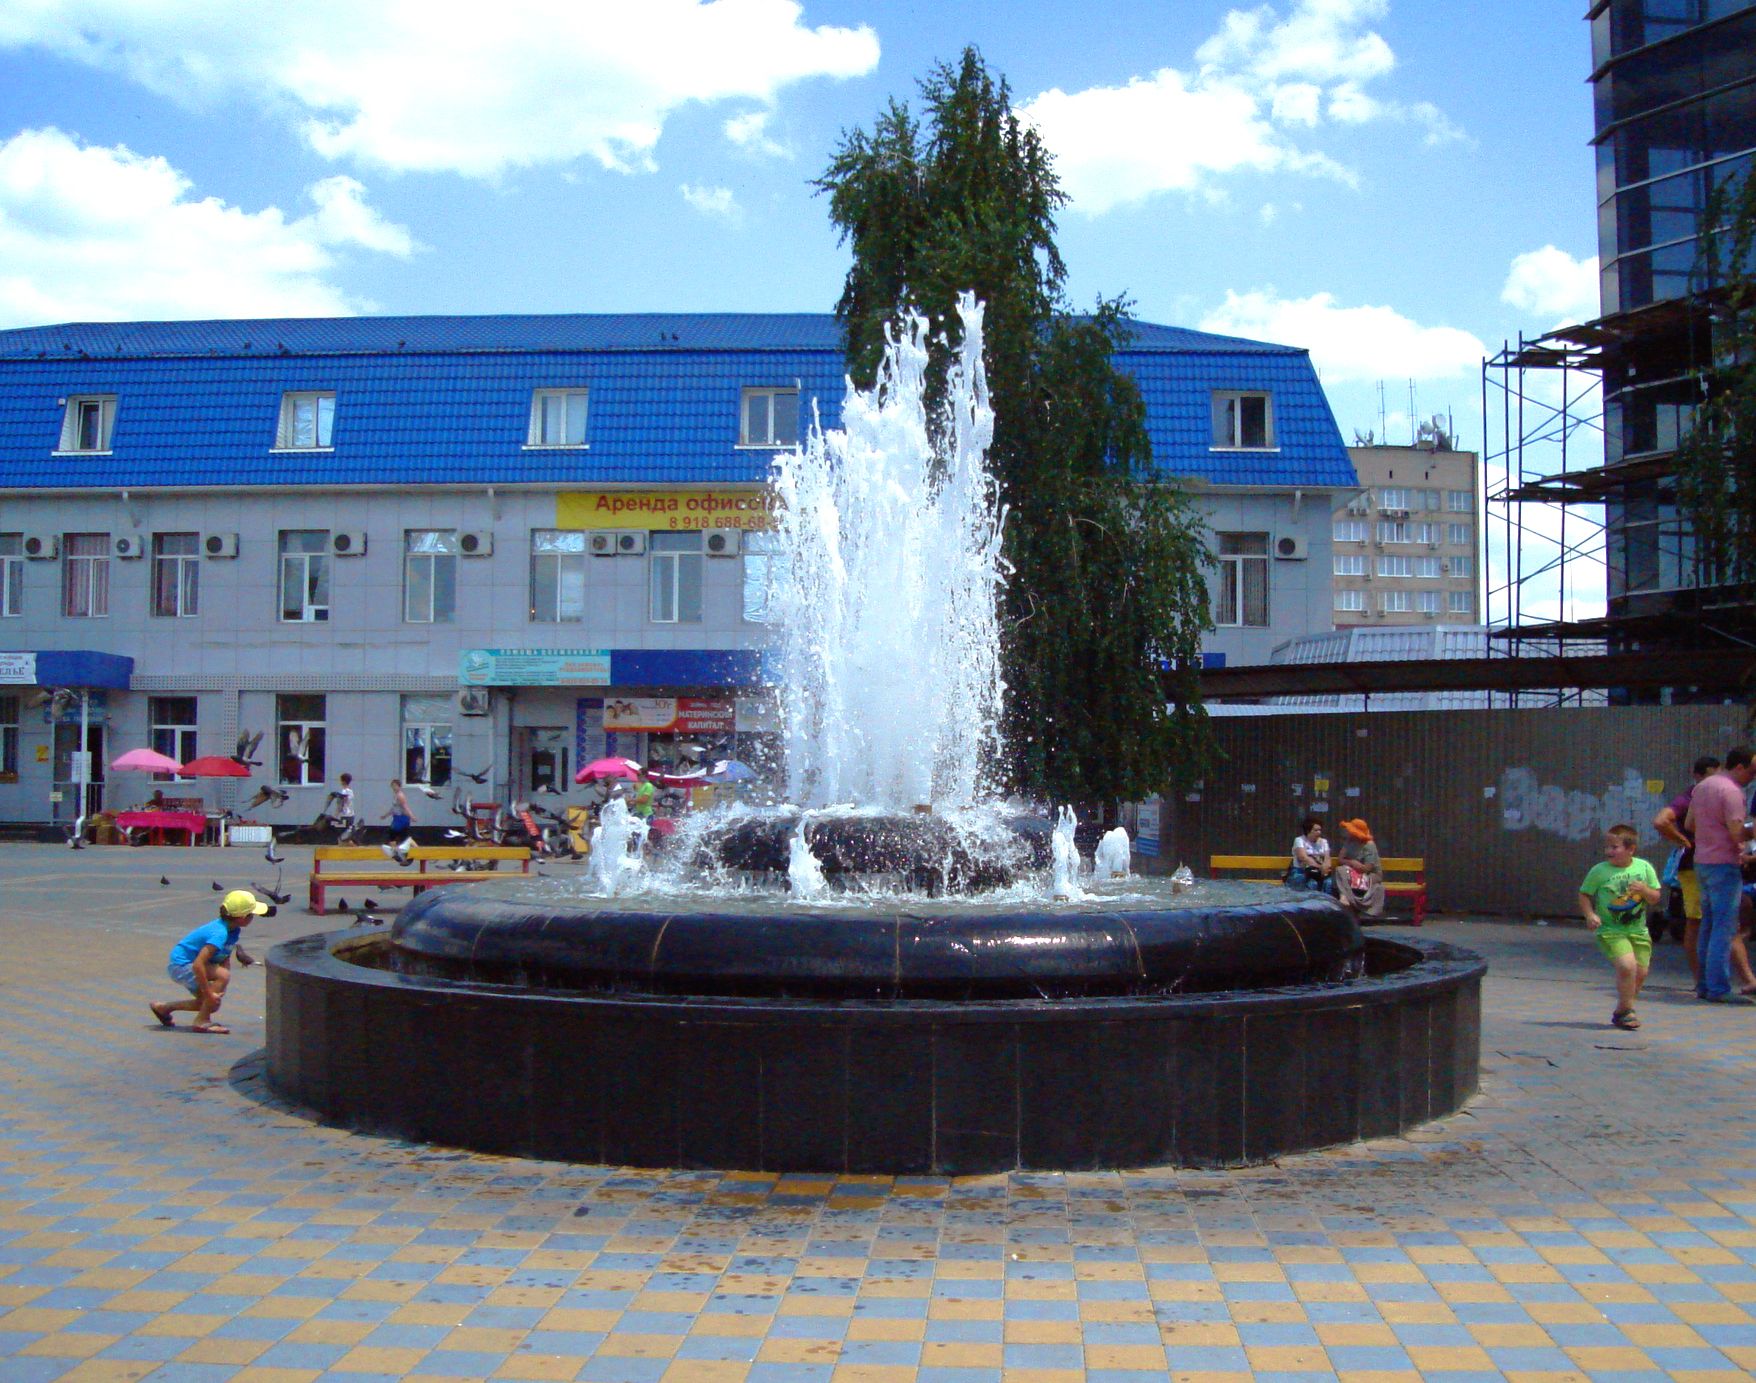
x,y
1106,603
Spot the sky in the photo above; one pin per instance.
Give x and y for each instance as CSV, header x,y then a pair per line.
x,y
1398,185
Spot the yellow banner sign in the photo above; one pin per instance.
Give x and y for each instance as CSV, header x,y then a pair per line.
x,y
683,510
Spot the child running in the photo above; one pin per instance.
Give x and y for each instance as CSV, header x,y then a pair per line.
x,y
201,961
1613,899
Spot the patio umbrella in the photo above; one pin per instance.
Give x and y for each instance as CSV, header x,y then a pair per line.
x,y
214,766
731,771
145,761
609,768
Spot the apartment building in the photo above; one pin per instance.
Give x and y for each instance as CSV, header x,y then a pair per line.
x,y
1406,546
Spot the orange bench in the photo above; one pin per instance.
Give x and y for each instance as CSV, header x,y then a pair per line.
x,y
389,874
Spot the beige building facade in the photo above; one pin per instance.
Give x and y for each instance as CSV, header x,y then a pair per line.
x,y
1407,545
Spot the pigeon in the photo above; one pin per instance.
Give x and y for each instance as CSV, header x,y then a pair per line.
x,y
399,852
271,895
164,882
75,841
481,777
247,746
455,835
269,854
427,788
218,887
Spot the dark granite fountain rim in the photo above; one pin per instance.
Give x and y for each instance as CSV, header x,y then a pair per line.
x,y
1435,967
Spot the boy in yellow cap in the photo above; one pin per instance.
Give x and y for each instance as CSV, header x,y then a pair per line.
x,y
201,961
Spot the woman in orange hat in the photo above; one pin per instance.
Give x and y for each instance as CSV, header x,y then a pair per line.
x,y
1359,871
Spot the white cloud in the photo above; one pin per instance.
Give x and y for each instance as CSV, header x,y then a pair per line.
x,y
713,201
91,233
453,85
1552,283
1349,344
1259,89
750,133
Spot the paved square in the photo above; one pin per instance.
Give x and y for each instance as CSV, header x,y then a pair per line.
x,y
162,1217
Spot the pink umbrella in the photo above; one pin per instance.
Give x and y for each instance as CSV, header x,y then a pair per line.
x,y
145,761
609,768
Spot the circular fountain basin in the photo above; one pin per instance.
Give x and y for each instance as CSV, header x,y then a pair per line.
x,y
947,1038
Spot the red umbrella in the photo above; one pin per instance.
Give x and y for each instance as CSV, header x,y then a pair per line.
x,y
609,768
214,766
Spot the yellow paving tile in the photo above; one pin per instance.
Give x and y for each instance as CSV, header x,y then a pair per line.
x,y
378,1359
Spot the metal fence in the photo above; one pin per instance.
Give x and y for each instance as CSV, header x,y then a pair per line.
x,y
1508,807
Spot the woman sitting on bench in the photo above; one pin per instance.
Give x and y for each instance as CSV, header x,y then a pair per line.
x,y
1360,872
1312,866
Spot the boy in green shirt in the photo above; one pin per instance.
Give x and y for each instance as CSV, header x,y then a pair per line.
x,y
1613,900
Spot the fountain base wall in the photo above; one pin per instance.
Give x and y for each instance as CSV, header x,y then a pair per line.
x,y
917,1086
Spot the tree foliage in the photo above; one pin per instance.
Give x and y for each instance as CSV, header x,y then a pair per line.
x,y
1107,560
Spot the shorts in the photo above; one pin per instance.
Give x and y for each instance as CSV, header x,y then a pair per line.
x,y
1690,883
401,823
183,973
1620,941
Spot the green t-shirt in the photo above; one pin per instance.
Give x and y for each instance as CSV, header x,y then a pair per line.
x,y
1608,888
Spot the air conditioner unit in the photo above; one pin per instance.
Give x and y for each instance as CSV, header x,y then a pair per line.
x,y
476,542
724,542
219,544
42,546
348,543
127,547
1445,567
1288,548
602,543
630,542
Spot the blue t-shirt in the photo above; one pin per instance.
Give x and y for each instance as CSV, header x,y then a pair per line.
x,y
215,934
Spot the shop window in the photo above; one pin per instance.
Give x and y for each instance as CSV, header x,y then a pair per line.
x,y
426,740
301,732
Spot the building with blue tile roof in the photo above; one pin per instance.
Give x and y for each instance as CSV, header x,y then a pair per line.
x,y
397,545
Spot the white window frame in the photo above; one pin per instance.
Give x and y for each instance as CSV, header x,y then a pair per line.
x,y
1463,566
1231,401
312,565
1424,532
537,439
1234,572
423,732
1395,566
1350,531
1393,531
1350,564
1460,602
674,566
173,737
1395,602
759,558
424,549
311,766
11,575
1459,535
286,429
1460,501
562,555
1396,497
71,430
85,577
1350,600
1427,569
1427,602
184,574
769,441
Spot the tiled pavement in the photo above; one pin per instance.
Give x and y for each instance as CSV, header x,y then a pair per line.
x,y
1589,1216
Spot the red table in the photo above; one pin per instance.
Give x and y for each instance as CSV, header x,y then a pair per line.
x,y
157,823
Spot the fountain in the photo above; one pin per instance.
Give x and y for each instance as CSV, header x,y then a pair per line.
x,y
896,972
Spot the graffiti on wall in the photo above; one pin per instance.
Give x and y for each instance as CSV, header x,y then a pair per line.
x,y
1528,804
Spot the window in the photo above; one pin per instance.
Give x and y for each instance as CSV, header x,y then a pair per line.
x,y
426,740
1394,499
769,418
173,729
1427,602
299,735
176,574
85,576
1243,421
1460,602
1350,566
429,575
1423,532
1395,566
306,421
9,738
1350,530
557,575
1457,534
88,423
1427,568
1460,501
1393,602
675,562
759,574
11,574
1241,592
1393,531
557,418
1463,566
1350,600
304,575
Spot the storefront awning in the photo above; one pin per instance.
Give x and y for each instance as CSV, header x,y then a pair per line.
x,y
611,667
65,667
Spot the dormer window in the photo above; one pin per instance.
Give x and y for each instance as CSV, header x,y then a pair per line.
x,y
557,418
87,423
307,421
769,418
1243,421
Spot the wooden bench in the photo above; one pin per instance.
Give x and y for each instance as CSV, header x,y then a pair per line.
x,y
432,867
1271,869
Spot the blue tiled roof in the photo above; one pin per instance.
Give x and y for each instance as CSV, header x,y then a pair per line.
x,y
446,400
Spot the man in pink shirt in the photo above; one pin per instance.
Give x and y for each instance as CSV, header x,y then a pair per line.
x,y
1716,821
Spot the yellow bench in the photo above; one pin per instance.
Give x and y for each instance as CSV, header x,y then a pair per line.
x,y
389,874
1271,869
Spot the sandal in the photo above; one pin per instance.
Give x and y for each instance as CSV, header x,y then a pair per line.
x,y
161,1015
220,1028
1625,1019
